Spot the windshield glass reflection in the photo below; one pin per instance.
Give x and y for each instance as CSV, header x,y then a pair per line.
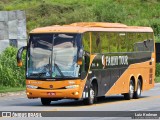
x,y
53,56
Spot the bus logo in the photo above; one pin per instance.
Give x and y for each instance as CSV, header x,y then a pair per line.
x,y
51,86
114,60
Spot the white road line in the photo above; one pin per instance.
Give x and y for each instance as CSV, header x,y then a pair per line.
x,y
140,109
157,84
155,89
137,110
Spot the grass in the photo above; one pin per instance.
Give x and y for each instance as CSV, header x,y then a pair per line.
x,y
11,89
10,74
157,79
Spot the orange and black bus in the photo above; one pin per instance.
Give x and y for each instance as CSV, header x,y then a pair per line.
x,y
88,60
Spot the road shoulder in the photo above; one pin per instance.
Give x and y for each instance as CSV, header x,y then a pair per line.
x,y
12,93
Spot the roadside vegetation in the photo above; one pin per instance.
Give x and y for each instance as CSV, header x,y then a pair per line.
x,y
4,89
158,72
50,12
11,76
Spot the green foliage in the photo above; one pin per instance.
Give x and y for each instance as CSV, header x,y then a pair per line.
x,y
4,89
1,5
49,12
111,12
158,69
157,79
157,38
10,74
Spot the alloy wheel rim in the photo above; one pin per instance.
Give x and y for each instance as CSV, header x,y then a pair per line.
x,y
92,94
139,90
131,89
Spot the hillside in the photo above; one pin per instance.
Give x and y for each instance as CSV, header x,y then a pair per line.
x,y
49,12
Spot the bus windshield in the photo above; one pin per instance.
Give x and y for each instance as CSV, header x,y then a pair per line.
x,y
53,56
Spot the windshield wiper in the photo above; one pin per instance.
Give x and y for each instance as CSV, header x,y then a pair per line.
x,y
55,65
59,70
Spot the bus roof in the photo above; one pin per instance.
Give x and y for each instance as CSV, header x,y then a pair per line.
x,y
82,27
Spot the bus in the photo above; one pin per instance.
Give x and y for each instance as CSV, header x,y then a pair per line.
x,y
88,60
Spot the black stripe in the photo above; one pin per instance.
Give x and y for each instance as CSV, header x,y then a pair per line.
x,y
107,76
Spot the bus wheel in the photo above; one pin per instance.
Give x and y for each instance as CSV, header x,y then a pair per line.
x,y
128,96
45,101
92,95
137,93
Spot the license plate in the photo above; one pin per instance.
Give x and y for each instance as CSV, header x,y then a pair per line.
x,y
51,93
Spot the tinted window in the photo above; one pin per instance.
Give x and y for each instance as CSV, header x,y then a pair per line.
x,y
96,42
86,41
103,42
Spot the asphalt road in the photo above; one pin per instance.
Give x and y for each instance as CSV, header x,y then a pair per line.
x,y
150,101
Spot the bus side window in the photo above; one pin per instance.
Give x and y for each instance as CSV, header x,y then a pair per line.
x,y
96,42
104,42
131,38
86,42
139,45
144,42
122,42
150,42
113,42
86,46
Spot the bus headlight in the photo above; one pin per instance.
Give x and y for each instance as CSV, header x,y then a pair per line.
x,y
72,86
32,86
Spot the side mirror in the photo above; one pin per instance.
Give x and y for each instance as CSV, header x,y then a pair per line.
x,y
19,56
80,57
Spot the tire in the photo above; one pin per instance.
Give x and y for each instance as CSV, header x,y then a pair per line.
x,y
129,95
91,95
45,101
137,93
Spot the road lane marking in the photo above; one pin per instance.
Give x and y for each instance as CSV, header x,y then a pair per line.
x,y
157,84
139,109
101,104
155,89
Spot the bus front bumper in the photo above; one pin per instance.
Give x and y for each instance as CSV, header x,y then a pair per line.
x,y
61,93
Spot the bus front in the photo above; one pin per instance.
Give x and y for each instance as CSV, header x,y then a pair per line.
x,y
53,67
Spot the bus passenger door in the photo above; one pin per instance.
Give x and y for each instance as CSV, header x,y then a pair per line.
x,y
85,65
